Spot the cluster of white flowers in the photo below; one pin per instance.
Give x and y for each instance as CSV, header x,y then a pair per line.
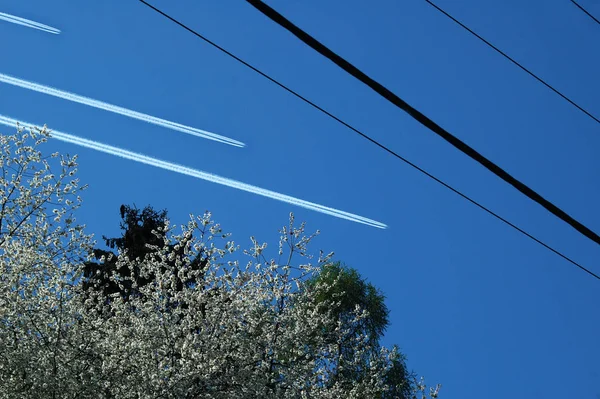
x,y
246,331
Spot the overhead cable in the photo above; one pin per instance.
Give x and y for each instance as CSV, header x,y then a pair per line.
x,y
373,141
421,118
586,11
502,53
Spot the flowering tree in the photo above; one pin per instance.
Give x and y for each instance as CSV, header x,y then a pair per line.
x,y
243,333
139,239
39,244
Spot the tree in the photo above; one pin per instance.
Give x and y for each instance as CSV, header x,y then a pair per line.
x,y
142,230
251,342
39,241
351,290
347,290
143,235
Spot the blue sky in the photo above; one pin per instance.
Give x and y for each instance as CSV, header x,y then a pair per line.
x,y
475,305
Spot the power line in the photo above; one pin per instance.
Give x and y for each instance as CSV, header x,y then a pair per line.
x,y
421,118
585,11
564,97
383,147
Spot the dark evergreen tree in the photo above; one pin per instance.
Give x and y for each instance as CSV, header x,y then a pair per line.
x,y
142,230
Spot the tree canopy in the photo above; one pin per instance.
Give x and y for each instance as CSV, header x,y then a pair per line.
x,y
75,324
143,233
345,291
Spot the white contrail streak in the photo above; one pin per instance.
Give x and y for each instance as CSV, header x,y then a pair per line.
x,y
11,80
119,152
28,23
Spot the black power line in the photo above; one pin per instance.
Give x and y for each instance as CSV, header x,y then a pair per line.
x,y
332,116
585,11
573,103
421,118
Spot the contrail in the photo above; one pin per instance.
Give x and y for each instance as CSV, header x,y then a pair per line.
x,y
28,23
119,152
11,80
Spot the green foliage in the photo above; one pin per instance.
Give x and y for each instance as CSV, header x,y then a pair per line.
x,y
349,289
400,381
341,290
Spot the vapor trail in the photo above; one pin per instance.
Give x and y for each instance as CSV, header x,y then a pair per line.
x,y
28,23
119,152
11,80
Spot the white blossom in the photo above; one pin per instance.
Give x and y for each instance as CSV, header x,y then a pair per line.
x,y
249,331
